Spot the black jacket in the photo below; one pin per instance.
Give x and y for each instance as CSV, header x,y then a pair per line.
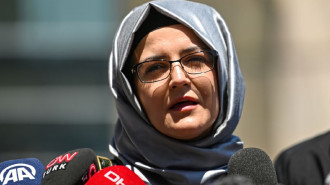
x,y
307,163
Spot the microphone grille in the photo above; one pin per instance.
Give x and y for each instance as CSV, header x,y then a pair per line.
x,y
254,164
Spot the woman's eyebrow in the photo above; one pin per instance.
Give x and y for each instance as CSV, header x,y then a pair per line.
x,y
190,49
154,57
182,52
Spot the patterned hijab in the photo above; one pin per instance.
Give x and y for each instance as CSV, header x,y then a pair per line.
x,y
156,158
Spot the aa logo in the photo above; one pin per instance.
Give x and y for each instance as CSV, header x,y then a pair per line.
x,y
17,172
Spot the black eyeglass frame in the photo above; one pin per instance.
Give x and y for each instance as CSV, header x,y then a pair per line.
x,y
213,52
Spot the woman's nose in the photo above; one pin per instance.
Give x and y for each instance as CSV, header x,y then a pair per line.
x,y
178,76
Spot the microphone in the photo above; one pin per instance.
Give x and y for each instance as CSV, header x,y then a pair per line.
x,y
233,180
115,175
26,171
74,167
255,164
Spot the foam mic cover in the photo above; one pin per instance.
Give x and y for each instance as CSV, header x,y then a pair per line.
x,y
74,167
115,175
254,164
26,171
233,180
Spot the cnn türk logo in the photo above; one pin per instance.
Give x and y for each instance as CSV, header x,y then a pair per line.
x,y
17,172
59,163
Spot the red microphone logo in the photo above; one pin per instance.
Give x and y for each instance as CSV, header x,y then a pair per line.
x,y
114,178
115,175
59,163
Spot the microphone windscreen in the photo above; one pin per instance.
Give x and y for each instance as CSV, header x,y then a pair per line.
x,y
254,164
26,171
233,180
115,175
74,167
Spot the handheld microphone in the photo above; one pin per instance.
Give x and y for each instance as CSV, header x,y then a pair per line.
x,y
115,175
26,171
74,167
255,164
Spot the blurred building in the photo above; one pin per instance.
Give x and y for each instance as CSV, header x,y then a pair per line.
x,y
54,93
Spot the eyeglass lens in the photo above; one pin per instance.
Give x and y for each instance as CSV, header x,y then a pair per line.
x,y
194,63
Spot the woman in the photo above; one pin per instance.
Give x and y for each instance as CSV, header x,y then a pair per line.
x,y
179,93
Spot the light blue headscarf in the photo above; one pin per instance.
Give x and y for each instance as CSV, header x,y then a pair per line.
x,y
158,159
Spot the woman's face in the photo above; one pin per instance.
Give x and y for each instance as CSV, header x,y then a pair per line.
x,y
183,106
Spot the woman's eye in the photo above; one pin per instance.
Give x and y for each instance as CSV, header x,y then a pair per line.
x,y
195,61
202,58
155,67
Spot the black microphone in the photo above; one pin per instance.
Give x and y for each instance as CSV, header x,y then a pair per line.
x,y
233,180
254,164
26,171
75,167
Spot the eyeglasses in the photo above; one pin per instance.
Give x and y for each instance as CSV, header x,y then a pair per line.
x,y
194,63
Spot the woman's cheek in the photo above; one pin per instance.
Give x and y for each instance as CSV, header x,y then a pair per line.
x,y
153,99
204,86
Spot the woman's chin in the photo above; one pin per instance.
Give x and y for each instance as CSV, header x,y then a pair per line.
x,y
188,133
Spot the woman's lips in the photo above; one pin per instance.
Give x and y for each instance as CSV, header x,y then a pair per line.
x,y
181,104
